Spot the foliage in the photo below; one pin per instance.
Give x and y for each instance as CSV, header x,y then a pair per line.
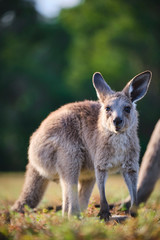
x,y
32,59
119,39
46,63
44,224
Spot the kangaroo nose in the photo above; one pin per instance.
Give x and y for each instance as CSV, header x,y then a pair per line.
x,y
117,121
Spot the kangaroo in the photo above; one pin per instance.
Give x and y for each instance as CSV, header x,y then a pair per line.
x,y
81,143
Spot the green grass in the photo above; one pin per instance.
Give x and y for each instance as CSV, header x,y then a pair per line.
x,y
45,224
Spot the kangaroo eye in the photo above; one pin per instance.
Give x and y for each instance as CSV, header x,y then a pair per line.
x,y
108,108
127,109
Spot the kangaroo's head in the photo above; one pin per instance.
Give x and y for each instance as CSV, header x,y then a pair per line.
x,y
119,108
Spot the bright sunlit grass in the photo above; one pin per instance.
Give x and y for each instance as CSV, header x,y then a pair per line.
x,y
45,224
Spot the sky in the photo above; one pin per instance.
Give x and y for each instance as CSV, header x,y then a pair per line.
x,y
52,8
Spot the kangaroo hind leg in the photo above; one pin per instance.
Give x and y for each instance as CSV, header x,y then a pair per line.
x,y
65,203
85,190
69,183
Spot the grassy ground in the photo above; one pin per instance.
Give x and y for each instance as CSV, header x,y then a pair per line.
x,y
44,224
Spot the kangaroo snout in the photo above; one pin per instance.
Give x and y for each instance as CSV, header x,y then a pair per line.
x,y
117,122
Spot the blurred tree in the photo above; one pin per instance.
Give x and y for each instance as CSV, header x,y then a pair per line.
x,y
45,64
32,58
120,39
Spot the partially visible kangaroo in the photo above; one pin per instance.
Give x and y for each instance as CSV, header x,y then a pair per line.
x,y
84,141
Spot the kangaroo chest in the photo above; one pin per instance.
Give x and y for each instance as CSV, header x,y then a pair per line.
x,y
114,153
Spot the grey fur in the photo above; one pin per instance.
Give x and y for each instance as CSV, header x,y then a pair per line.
x,y
84,141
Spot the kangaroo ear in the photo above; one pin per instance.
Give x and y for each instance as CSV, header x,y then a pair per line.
x,y
138,86
102,88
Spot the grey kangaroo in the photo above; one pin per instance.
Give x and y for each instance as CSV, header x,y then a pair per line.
x,y
81,143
